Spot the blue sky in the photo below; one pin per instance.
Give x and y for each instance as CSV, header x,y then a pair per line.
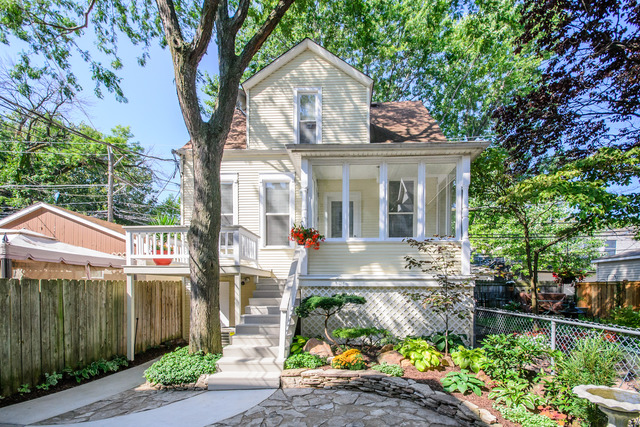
x,y
152,111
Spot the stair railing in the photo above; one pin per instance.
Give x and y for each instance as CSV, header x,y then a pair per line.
x,y
288,303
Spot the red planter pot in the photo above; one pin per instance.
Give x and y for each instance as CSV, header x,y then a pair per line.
x,y
162,261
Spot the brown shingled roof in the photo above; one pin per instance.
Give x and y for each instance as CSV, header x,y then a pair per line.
x,y
237,137
403,121
390,122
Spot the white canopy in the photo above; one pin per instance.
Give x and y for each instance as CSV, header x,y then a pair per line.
x,y
28,245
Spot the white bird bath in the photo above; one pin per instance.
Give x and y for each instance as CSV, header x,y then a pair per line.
x,y
619,405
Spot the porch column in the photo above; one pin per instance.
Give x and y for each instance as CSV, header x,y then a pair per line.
x,y
131,317
304,193
237,295
465,165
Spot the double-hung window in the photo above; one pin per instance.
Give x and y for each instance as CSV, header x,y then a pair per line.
x,y
277,204
229,202
308,123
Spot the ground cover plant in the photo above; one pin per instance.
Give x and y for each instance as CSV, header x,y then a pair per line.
x,y
421,354
181,367
304,360
96,368
389,369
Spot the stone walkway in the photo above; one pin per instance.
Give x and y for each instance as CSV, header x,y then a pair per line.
x,y
313,407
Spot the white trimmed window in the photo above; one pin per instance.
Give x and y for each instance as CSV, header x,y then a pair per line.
x,y
308,117
229,201
277,201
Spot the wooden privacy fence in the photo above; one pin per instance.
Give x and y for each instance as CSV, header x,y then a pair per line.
x,y
47,325
601,297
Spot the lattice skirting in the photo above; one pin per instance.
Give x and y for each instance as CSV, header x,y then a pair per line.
x,y
386,308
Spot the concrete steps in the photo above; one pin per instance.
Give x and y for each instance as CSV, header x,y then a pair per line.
x,y
250,362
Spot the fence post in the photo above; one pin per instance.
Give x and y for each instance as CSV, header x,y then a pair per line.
x,y
553,335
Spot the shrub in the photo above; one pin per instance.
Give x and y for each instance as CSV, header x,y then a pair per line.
x,y
625,316
525,418
179,367
593,361
508,355
462,382
472,359
326,307
442,341
421,354
350,359
385,368
369,336
304,360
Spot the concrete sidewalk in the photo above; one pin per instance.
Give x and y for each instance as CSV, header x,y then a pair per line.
x,y
54,404
196,409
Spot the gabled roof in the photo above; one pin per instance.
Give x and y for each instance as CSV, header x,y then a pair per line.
x,y
107,227
237,137
307,44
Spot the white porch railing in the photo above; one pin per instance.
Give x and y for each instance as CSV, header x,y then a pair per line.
x,y
169,242
288,303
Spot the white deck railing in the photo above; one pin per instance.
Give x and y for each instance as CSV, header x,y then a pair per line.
x,y
288,302
169,242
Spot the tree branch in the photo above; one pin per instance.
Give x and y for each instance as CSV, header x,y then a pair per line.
x,y
202,38
261,35
240,15
66,30
171,25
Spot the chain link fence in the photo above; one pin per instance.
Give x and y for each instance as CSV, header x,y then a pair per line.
x,y
562,334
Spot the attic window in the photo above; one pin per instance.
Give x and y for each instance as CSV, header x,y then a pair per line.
x,y
308,126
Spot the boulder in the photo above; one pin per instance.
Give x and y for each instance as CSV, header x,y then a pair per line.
x,y
386,348
391,357
405,363
318,348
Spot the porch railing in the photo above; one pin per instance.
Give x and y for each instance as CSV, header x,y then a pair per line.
x,y
288,303
169,242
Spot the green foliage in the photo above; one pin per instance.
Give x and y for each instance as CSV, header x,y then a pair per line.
x,y
472,359
514,394
369,336
179,367
462,382
421,354
327,307
49,381
298,344
304,360
593,361
350,359
522,416
24,388
508,355
98,367
625,316
389,369
441,341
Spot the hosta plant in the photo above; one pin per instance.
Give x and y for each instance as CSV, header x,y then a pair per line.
x,y
297,345
514,394
466,358
462,382
441,341
421,354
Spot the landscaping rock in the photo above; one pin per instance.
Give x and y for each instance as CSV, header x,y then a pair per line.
x,y
318,348
293,372
391,357
487,416
405,363
422,389
386,348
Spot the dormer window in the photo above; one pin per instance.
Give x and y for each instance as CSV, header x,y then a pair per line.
x,y
308,125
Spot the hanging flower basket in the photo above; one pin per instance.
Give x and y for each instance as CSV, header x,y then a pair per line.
x,y
567,277
307,237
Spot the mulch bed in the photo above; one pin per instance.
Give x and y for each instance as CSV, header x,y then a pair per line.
x,y
67,383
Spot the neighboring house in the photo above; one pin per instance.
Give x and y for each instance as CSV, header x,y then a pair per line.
x,y
619,241
308,146
48,242
616,268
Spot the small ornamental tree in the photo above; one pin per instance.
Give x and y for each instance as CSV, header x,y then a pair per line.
x,y
448,298
327,307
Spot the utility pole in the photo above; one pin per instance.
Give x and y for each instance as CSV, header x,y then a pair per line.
x,y
110,184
